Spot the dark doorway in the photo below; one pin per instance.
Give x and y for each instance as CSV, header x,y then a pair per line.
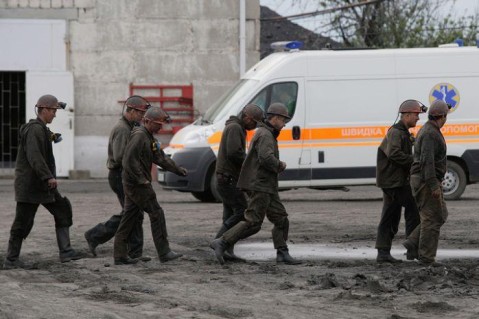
x,y
12,115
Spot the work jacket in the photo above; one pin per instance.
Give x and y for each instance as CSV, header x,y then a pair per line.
x,y
232,151
262,165
394,157
142,150
35,164
430,160
117,142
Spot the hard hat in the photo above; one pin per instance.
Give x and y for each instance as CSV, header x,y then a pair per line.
x,y
438,108
50,102
138,103
278,109
157,115
412,106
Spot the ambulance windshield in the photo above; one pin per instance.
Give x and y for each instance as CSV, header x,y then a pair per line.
x,y
229,100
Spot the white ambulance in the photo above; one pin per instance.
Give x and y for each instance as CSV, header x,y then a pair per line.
x,y
341,103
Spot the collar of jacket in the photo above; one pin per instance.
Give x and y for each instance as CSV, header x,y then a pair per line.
x,y
131,124
235,119
270,128
401,126
39,121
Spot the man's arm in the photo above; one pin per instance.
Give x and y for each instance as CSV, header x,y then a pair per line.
x,y
235,152
119,141
394,150
428,164
131,158
159,158
265,149
34,142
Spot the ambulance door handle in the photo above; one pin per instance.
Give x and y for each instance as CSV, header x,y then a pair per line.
x,y
296,133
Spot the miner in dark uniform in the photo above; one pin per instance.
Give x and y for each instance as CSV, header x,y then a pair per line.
x,y
394,161
141,152
427,173
259,177
231,155
36,184
136,106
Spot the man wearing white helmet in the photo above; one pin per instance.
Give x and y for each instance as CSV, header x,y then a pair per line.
x,y
427,172
392,176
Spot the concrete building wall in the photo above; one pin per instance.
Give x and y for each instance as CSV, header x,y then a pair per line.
x,y
111,43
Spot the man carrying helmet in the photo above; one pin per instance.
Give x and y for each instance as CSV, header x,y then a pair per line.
x,y
231,155
142,150
394,161
259,177
427,171
136,106
36,184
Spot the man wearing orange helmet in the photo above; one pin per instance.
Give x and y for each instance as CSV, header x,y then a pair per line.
x,y
36,184
136,106
394,161
427,173
140,153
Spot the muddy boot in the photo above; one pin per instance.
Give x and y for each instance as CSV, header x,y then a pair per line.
x,y
230,255
13,253
412,252
384,256
141,258
171,255
67,253
91,243
283,256
126,261
219,246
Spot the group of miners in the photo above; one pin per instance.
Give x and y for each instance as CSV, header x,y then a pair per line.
x,y
247,182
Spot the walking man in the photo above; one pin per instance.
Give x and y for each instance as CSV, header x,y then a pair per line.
x,y
36,184
141,152
231,155
259,177
136,107
394,161
427,173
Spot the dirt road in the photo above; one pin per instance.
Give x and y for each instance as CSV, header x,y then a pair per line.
x,y
198,287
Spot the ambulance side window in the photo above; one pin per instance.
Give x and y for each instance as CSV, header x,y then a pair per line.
x,y
285,92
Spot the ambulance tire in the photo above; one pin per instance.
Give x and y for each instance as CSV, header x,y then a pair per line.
x,y
454,182
211,194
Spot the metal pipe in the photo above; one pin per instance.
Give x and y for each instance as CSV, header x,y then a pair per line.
x,y
242,37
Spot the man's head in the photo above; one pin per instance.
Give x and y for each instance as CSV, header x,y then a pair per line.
x,y
47,106
136,106
277,115
251,115
410,110
154,119
438,112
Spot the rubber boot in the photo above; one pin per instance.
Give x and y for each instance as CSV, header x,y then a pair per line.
x,y
230,255
171,255
412,251
67,253
126,261
91,243
13,253
283,256
219,246
384,256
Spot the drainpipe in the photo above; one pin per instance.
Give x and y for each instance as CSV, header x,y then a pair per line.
x,y
242,36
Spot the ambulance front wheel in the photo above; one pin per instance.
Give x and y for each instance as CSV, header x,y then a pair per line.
x,y
454,182
211,194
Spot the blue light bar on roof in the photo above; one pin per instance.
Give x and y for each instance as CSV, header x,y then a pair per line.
x,y
287,45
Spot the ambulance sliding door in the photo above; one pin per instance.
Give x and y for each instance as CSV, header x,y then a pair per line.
x,y
290,92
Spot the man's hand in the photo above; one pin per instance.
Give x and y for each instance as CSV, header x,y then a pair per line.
x,y
436,194
282,166
183,171
52,183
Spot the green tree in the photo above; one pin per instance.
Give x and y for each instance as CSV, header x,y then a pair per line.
x,y
397,23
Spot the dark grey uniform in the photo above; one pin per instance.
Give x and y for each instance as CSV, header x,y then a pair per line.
x,y
427,172
231,155
35,165
103,232
141,152
394,161
259,176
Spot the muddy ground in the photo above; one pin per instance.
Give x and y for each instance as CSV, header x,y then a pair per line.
x,y
198,287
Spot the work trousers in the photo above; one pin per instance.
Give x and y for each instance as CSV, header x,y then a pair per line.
x,y
394,199
433,213
60,209
105,231
260,205
139,199
234,202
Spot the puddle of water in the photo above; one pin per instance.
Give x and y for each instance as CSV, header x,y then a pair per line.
x,y
266,251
